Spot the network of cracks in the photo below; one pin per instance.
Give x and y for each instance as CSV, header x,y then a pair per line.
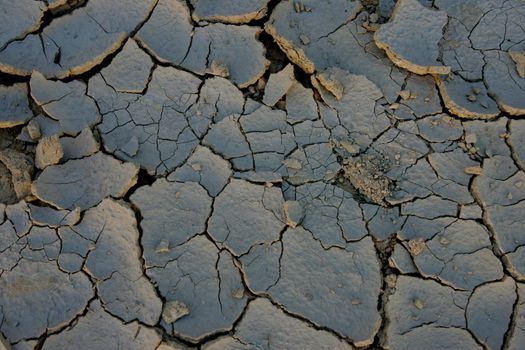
x,y
262,174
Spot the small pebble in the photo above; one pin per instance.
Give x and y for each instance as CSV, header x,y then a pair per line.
x,y
473,170
418,304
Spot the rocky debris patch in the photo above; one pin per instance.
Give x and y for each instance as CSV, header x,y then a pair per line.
x,y
366,174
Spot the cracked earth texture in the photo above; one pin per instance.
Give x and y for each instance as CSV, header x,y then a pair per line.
x,y
262,174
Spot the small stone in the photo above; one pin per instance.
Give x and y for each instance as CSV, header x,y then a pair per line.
x,y
473,170
163,247
444,241
416,246
404,94
174,310
304,39
471,98
238,293
373,18
476,90
219,69
418,304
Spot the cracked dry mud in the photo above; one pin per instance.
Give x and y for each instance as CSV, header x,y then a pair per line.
x,y
262,174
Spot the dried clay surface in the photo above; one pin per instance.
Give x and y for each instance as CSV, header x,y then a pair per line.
x,y
262,174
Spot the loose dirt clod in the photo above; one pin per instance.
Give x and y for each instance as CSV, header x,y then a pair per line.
x,y
48,152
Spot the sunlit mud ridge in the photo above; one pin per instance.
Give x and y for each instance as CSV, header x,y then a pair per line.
x,y
262,174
